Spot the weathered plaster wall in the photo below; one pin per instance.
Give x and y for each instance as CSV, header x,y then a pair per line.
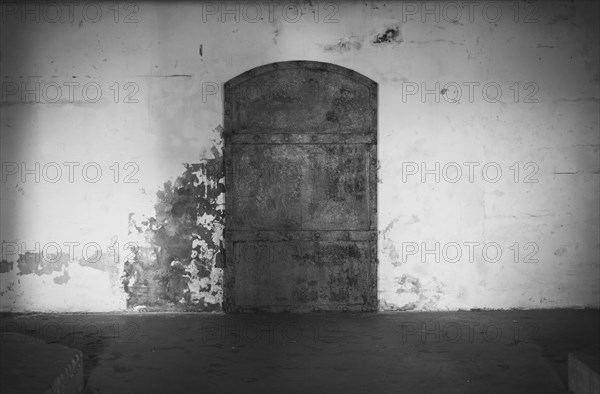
x,y
146,231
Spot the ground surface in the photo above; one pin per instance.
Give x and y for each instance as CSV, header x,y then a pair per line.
x,y
429,352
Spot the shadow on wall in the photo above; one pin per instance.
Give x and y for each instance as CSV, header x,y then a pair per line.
x,y
177,265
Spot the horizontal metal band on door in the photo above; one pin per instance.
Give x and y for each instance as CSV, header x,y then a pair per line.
x,y
300,138
312,235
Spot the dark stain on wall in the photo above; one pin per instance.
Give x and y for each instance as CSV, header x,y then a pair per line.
x,y
408,284
39,264
179,265
51,264
391,35
63,279
6,266
343,46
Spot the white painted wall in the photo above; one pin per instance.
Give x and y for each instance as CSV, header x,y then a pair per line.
x,y
556,218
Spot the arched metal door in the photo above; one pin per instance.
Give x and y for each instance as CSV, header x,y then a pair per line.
x,y
301,189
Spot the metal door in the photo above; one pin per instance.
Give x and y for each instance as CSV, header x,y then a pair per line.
x,y
301,189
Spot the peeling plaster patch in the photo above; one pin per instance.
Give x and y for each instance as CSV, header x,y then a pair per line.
x,y
388,245
40,264
77,288
177,261
391,35
408,307
26,285
412,294
87,290
408,284
10,287
345,45
63,279
5,266
388,228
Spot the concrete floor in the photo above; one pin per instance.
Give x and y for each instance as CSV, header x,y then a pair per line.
x,y
429,352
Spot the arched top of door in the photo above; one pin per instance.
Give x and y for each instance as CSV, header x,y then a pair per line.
x,y
298,97
304,64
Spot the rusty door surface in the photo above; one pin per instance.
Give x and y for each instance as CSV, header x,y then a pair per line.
x,y
301,189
